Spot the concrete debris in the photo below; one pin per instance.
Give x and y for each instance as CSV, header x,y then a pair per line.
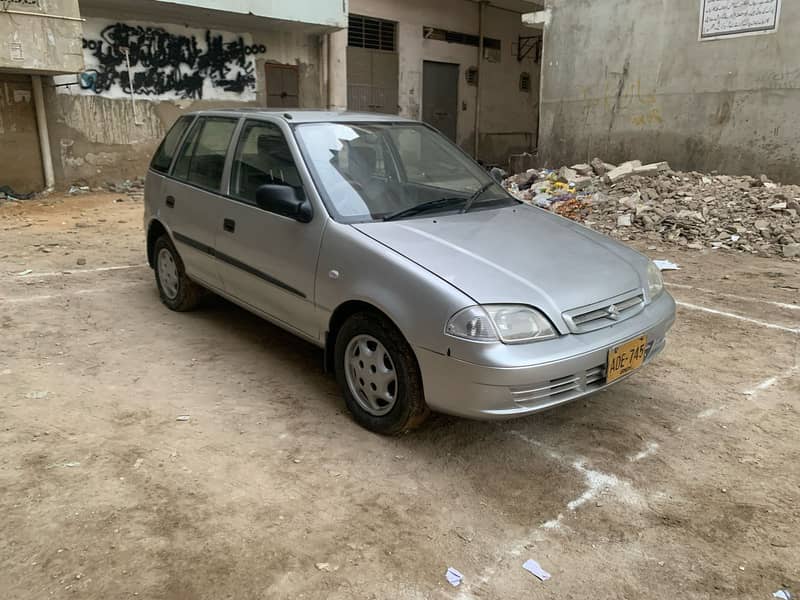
x,y
600,168
583,169
134,188
625,170
700,211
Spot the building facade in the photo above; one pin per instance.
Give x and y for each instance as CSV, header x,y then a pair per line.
x,y
114,75
38,38
179,55
469,68
704,84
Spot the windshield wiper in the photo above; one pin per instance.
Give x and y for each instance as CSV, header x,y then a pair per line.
x,y
423,206
477,195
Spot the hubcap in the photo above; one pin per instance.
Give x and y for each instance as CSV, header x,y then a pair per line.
x,y
168,273
370,375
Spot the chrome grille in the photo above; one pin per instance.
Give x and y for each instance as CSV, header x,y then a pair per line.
x,y
563,386
570,386
605,313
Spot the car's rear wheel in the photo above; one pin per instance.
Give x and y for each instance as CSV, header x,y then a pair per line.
x,y
379,375
177,291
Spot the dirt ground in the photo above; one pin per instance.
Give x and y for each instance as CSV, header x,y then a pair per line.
x,y
681,482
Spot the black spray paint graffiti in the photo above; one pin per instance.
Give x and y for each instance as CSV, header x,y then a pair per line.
x,y
163,62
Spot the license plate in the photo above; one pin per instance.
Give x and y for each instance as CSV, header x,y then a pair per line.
x,y
625,358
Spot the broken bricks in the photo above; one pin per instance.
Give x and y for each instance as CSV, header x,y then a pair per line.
x,y
698,211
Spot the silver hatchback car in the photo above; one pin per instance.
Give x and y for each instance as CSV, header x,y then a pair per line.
x,y
376,238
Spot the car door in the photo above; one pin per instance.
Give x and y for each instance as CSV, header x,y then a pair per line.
x,y
192,196
266,260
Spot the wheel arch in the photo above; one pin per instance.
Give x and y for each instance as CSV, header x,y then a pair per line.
x,y
338,318
154,231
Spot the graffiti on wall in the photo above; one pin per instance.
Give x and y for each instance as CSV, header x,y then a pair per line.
x,y
158,63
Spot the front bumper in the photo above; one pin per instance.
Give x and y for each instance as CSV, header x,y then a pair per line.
x,y
478,391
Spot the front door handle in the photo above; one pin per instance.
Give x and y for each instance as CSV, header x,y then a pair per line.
x,y
170,201
229,225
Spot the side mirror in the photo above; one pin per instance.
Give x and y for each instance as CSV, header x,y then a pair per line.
x,y
283,200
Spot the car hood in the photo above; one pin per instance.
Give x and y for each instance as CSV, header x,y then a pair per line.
x,y
517,254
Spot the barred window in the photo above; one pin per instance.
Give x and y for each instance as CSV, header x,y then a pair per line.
x,y
376,34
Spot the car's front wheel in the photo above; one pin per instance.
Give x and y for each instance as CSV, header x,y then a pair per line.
x,y
379,375
177,291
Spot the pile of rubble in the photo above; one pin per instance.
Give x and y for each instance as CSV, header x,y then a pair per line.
x,y
653,203
133,188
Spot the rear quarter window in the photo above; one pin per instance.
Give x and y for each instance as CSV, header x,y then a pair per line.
x,y
163,156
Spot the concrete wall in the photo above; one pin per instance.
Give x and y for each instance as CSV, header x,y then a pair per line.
x,y
508,117
41,43
630,79
96,136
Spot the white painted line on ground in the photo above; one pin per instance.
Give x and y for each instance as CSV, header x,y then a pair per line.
x,y
649,451
710,412
597,482
46,297
738,317
768,383
79,271
734,296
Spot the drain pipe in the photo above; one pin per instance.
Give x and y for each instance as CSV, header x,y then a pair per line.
x,y
324,61
481,11
44,135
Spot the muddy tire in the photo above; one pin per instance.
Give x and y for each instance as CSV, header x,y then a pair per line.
x,y
379,375
177,291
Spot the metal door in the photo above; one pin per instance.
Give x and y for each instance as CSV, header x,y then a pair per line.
x,y
20,156
440,96
372,80
282,86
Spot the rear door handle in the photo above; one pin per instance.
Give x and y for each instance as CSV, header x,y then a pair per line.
x,y
170,201
229,225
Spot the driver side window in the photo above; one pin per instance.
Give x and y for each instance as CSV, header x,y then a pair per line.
x,y
262,157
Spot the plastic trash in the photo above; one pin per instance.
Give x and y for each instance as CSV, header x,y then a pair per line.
x,y
666,265
535,568
453,576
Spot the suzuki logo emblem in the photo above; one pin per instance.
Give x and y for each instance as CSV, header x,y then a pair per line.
x,y
613,312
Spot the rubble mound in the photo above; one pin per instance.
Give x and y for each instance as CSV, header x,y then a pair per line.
x,y
651,202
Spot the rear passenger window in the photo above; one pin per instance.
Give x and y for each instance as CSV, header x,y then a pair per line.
x,y
163,156
202,156
262,156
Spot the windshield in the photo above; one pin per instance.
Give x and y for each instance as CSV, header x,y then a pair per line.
x,y
372,171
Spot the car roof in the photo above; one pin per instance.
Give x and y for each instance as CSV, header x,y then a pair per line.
x,y
308,116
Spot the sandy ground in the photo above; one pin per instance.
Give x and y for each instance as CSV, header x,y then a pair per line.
x,y
681,482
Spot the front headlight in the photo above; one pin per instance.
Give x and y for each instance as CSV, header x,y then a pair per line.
x,y
655,283
510,323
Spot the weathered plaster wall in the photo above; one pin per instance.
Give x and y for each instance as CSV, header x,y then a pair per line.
x,y
96,137
508,117
630,79
40,43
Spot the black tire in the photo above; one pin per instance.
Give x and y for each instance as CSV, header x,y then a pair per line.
x,y
409,410
188,292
